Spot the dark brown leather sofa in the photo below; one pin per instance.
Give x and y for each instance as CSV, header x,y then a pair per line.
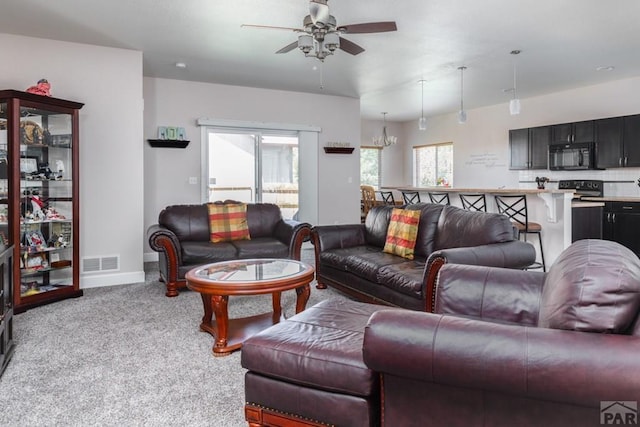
x,y
182,239
505,348
513,348
350,257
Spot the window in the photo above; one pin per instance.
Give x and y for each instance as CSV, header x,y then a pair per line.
x,y
254,166
370,166
433,165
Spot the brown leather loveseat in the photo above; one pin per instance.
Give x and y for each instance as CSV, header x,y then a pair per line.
x,y
351,258
182,238
504,348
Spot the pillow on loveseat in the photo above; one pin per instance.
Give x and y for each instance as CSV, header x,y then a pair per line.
x,y
228,221
402,233
593,286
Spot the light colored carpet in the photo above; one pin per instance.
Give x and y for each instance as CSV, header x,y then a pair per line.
x,y
127,355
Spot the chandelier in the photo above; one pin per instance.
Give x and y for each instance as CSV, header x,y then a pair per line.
x,y
384,140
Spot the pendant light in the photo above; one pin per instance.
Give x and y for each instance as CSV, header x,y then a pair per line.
x,y
422,123
462,115
514,104
385,139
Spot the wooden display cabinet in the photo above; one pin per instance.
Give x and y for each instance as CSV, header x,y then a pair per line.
x,y
41,143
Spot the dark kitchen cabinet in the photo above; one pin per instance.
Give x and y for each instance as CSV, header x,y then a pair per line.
x,y
573,132
586,223
618,141
631,140
609,140
621,223
529,147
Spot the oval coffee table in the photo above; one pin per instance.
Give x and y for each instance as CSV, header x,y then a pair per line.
x,y
216,282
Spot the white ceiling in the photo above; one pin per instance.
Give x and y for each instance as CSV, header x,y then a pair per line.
x,y
562,43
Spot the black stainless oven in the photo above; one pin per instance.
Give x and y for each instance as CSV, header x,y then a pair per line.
x,y
576,156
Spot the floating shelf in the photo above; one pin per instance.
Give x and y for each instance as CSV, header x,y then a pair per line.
x,y
338,150
168,143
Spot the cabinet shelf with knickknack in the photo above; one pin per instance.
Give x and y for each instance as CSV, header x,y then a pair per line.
x,y
42,207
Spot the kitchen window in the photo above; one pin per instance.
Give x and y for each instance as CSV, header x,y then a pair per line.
x,y
433,165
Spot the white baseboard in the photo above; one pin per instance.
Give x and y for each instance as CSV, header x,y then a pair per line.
x,y
96,281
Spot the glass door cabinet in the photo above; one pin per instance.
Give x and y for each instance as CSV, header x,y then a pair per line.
x,y
39,137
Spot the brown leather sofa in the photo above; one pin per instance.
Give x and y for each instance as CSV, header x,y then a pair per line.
x,y
350,257
182,239
504,348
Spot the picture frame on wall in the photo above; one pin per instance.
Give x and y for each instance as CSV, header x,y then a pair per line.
x,y
162,132
182,134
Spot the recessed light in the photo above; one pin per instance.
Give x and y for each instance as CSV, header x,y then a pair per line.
x,y
181,65
605,68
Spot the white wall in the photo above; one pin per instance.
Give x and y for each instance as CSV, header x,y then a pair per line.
x,y
109,83
181,103
392,156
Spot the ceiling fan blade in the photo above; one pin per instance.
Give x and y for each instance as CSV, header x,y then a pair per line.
x,y
289,47
271,27
369,27
350,47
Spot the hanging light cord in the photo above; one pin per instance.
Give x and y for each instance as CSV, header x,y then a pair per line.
x,y
461,88
422,108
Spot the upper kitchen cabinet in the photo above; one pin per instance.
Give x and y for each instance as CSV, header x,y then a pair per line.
x,y
573,132
609,137
618,141
631,141
529,147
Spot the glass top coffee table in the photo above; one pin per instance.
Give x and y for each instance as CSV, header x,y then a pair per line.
x,y
216,282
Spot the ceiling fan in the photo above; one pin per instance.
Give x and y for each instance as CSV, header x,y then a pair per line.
x,y
321,36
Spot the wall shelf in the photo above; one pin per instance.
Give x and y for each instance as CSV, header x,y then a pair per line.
x,y
338,150
168,143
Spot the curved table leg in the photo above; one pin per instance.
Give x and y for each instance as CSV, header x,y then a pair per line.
x,y
220,309
303,293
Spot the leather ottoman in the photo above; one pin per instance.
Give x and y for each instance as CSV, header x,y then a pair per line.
x,y
308,370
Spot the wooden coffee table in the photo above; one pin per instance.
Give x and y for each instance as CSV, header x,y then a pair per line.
x,y
216,282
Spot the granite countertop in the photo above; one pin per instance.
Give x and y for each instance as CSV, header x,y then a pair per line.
x,y
581,204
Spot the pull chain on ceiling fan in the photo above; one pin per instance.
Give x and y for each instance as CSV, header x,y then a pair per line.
x,y
321,36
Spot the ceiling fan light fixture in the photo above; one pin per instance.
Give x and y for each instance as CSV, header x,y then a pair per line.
x,y
331,41
305,43
319,12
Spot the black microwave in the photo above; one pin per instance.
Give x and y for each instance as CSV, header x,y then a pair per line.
x,y
576,156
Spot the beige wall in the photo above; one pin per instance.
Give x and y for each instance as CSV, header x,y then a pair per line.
x,y
109,83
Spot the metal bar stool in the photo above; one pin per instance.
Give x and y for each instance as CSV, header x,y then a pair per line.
x,y
387,197
474,202
410,197
515,207
439,198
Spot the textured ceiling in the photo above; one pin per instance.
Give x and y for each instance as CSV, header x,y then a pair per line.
x,y
563,42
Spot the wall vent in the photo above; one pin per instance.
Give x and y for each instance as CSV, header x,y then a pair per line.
x,y
105,263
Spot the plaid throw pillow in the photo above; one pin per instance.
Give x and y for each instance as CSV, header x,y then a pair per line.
x,y
402,232
228,221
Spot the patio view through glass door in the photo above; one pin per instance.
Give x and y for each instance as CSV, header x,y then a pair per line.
x,y
254,167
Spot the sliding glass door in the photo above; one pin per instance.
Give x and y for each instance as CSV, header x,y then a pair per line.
x,y
254,167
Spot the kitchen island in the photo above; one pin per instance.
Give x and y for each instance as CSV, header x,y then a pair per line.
x,y
551,208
